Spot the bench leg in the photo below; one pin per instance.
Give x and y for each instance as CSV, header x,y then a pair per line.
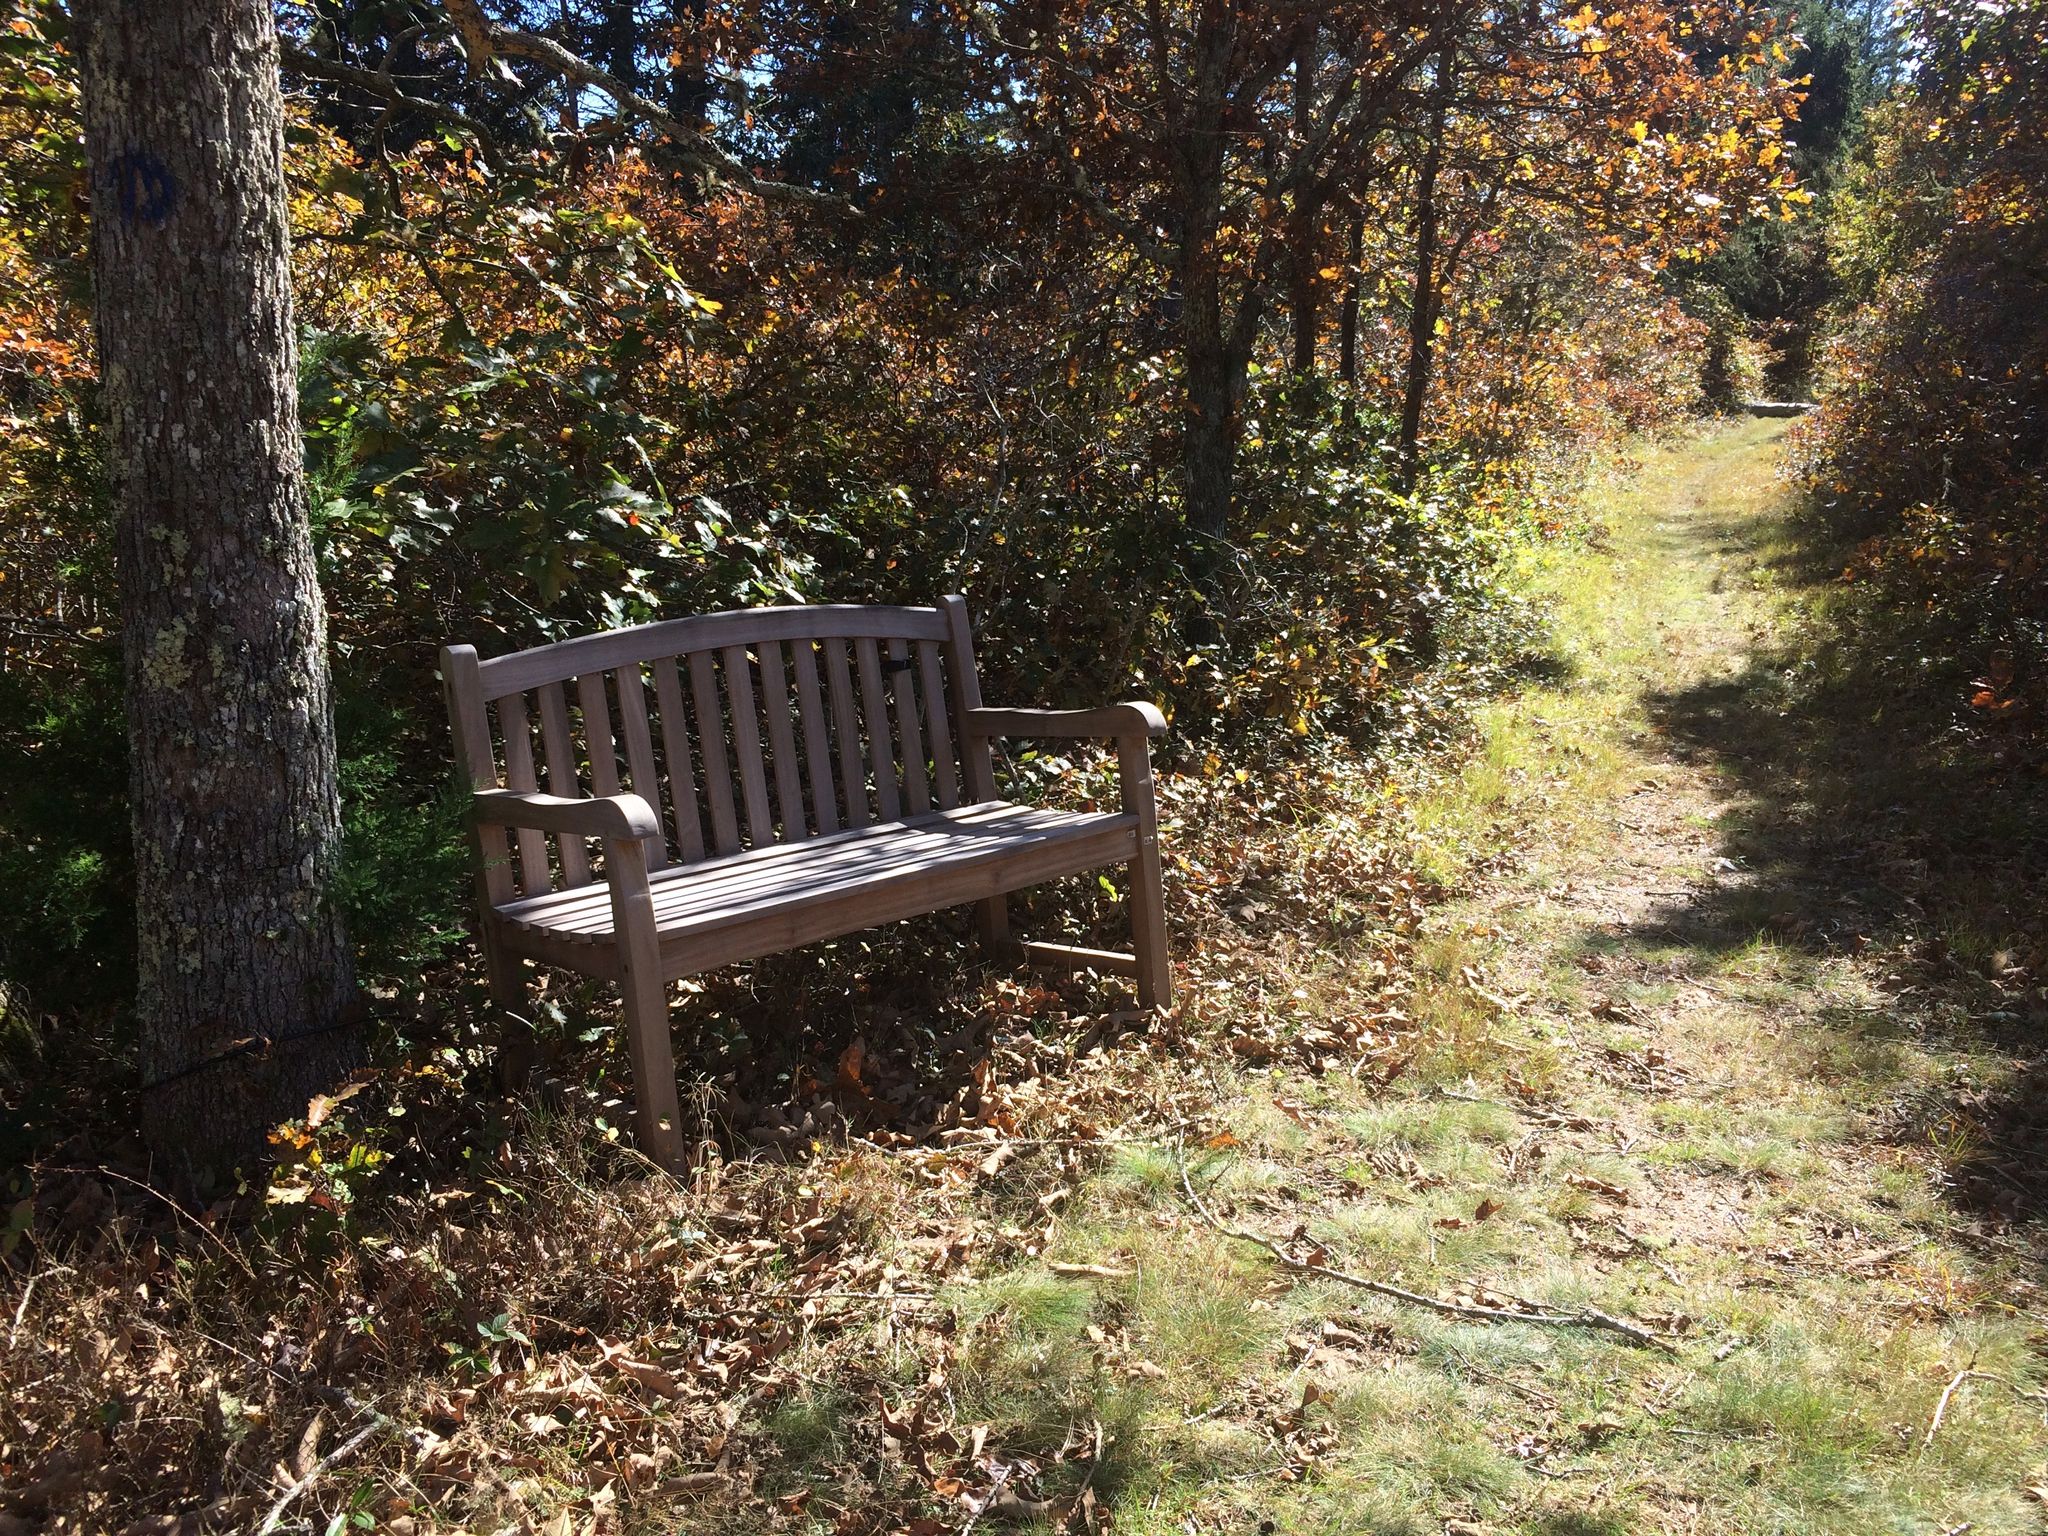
x,y
657,1109
992,923
515,1033
1148,928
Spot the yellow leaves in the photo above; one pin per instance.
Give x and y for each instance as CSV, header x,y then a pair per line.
x,y
1639,130
1768,155
1581,20
1330,274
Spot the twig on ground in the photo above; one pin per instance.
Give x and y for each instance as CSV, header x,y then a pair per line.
x,y
101,1171
1585,1317
1968,1373
21,1310
1535,1395
333,1458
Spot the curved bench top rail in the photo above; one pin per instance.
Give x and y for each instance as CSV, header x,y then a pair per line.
x,y
504,676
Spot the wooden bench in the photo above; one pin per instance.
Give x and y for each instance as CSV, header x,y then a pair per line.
x,y
759,780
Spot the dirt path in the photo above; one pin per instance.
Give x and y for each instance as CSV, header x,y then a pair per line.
x,y
1680,1063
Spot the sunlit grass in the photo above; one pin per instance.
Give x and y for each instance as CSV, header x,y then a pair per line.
x,y
1608,1106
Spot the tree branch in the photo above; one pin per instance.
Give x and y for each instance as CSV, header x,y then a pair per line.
x,y
1585,1317
694,145
380,84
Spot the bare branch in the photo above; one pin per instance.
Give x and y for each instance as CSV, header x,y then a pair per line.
x,y
379,83
1585,1317
694,145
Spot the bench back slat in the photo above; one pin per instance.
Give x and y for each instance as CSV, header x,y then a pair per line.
x,y
746,744
782,759
946,781
566,659
725,827
639,748
874,710
977,761
558,745
902,683
917,789
516,729
795,722
853,775
810,705
675,751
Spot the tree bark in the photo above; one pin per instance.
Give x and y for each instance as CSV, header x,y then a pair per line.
x,y
1303,246
618,42
1424,305
1347,324
247,1003
1216,346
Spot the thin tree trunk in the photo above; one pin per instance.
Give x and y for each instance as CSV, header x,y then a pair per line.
x,y
1208,437
1423,307
247,1003
689,84
618,42
1347,324
1303,294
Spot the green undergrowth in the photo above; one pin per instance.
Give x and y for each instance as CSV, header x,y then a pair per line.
x,y
1655,1013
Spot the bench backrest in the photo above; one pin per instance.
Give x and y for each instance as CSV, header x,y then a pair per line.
x,y
741,729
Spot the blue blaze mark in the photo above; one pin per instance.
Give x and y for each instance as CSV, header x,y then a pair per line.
x,y
143,186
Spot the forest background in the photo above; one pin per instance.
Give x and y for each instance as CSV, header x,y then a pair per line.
x,y
1229,355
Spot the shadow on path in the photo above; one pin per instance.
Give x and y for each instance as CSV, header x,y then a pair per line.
x,y
1869,823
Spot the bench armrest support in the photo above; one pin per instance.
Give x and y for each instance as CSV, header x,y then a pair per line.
x,y
1112,722
617,818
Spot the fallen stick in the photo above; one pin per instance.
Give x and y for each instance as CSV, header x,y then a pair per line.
x,y
340,1453
1585,1317
1941,1408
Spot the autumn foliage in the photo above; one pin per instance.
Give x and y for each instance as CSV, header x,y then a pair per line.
x,y
1931,448
1223,353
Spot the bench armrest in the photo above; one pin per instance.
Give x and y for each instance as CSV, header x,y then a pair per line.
x,y
1114,721
620,818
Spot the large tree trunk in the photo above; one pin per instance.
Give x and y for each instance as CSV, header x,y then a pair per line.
x,y
247,1003
618,42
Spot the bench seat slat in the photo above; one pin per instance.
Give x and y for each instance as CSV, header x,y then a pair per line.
x,y
787,894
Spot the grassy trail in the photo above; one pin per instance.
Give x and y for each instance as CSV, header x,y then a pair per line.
x,y
1668,1069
